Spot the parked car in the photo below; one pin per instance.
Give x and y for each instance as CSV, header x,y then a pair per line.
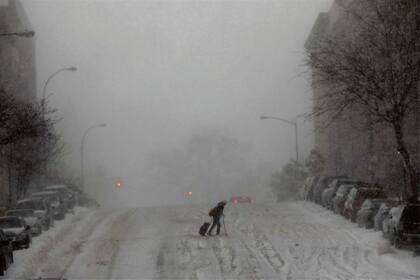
x,y
383,213
58,207
367,212
322,184
355,199
66,194
30,218
310,182
389,224
76,193
329,193
17,231
402,226
241,199
90,202
41,208
6,253
340,198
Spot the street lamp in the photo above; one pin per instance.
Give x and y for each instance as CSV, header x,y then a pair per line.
x,y
69,69
293,123
82,147
25,33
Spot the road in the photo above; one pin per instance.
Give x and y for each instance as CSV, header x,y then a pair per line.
x,y
291,240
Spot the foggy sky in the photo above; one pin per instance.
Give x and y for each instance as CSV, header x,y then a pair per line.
x,y
156,70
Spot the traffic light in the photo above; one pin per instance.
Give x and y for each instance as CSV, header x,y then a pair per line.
x,y
118,184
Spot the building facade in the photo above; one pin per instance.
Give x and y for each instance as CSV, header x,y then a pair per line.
x,y
352,145
17,70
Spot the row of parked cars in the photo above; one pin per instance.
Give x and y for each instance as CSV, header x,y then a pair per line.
x,y
368,206
33,215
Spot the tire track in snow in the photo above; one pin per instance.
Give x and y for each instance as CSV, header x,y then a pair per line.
x,y
118,230
251,269
226,258
260,242
54,257
96,258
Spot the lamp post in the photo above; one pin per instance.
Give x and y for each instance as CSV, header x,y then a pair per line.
x,y
69,69
82,147
25,33
44,89
293,123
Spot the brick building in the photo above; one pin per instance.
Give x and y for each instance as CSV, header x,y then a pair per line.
x,y
351,145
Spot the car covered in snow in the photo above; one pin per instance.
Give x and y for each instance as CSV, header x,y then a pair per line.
x,y
340,198
42,210
367,212
57,204
30,218
241,199
307,187
389,224
356,197
77,193
321,185
403,225
329,193
66,194
17,231
383,213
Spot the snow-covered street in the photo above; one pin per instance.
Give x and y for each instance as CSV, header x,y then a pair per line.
x,y
290,240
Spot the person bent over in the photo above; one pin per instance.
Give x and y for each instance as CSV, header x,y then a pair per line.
x,y
216,213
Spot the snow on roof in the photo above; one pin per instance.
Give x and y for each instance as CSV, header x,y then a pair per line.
x,y
44,193
20,210
55,187
9,218
29,199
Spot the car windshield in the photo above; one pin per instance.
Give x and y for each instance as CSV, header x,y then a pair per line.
x,y
6,223
384,208
30,204
352,194
50,197
376,203
342,189
367,204
21,213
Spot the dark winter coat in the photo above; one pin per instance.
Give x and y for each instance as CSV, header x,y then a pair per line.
x,y
218,211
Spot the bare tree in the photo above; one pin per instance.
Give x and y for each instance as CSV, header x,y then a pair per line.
x,y
20,120
315,163
286,183
371,61
27,141
27,158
